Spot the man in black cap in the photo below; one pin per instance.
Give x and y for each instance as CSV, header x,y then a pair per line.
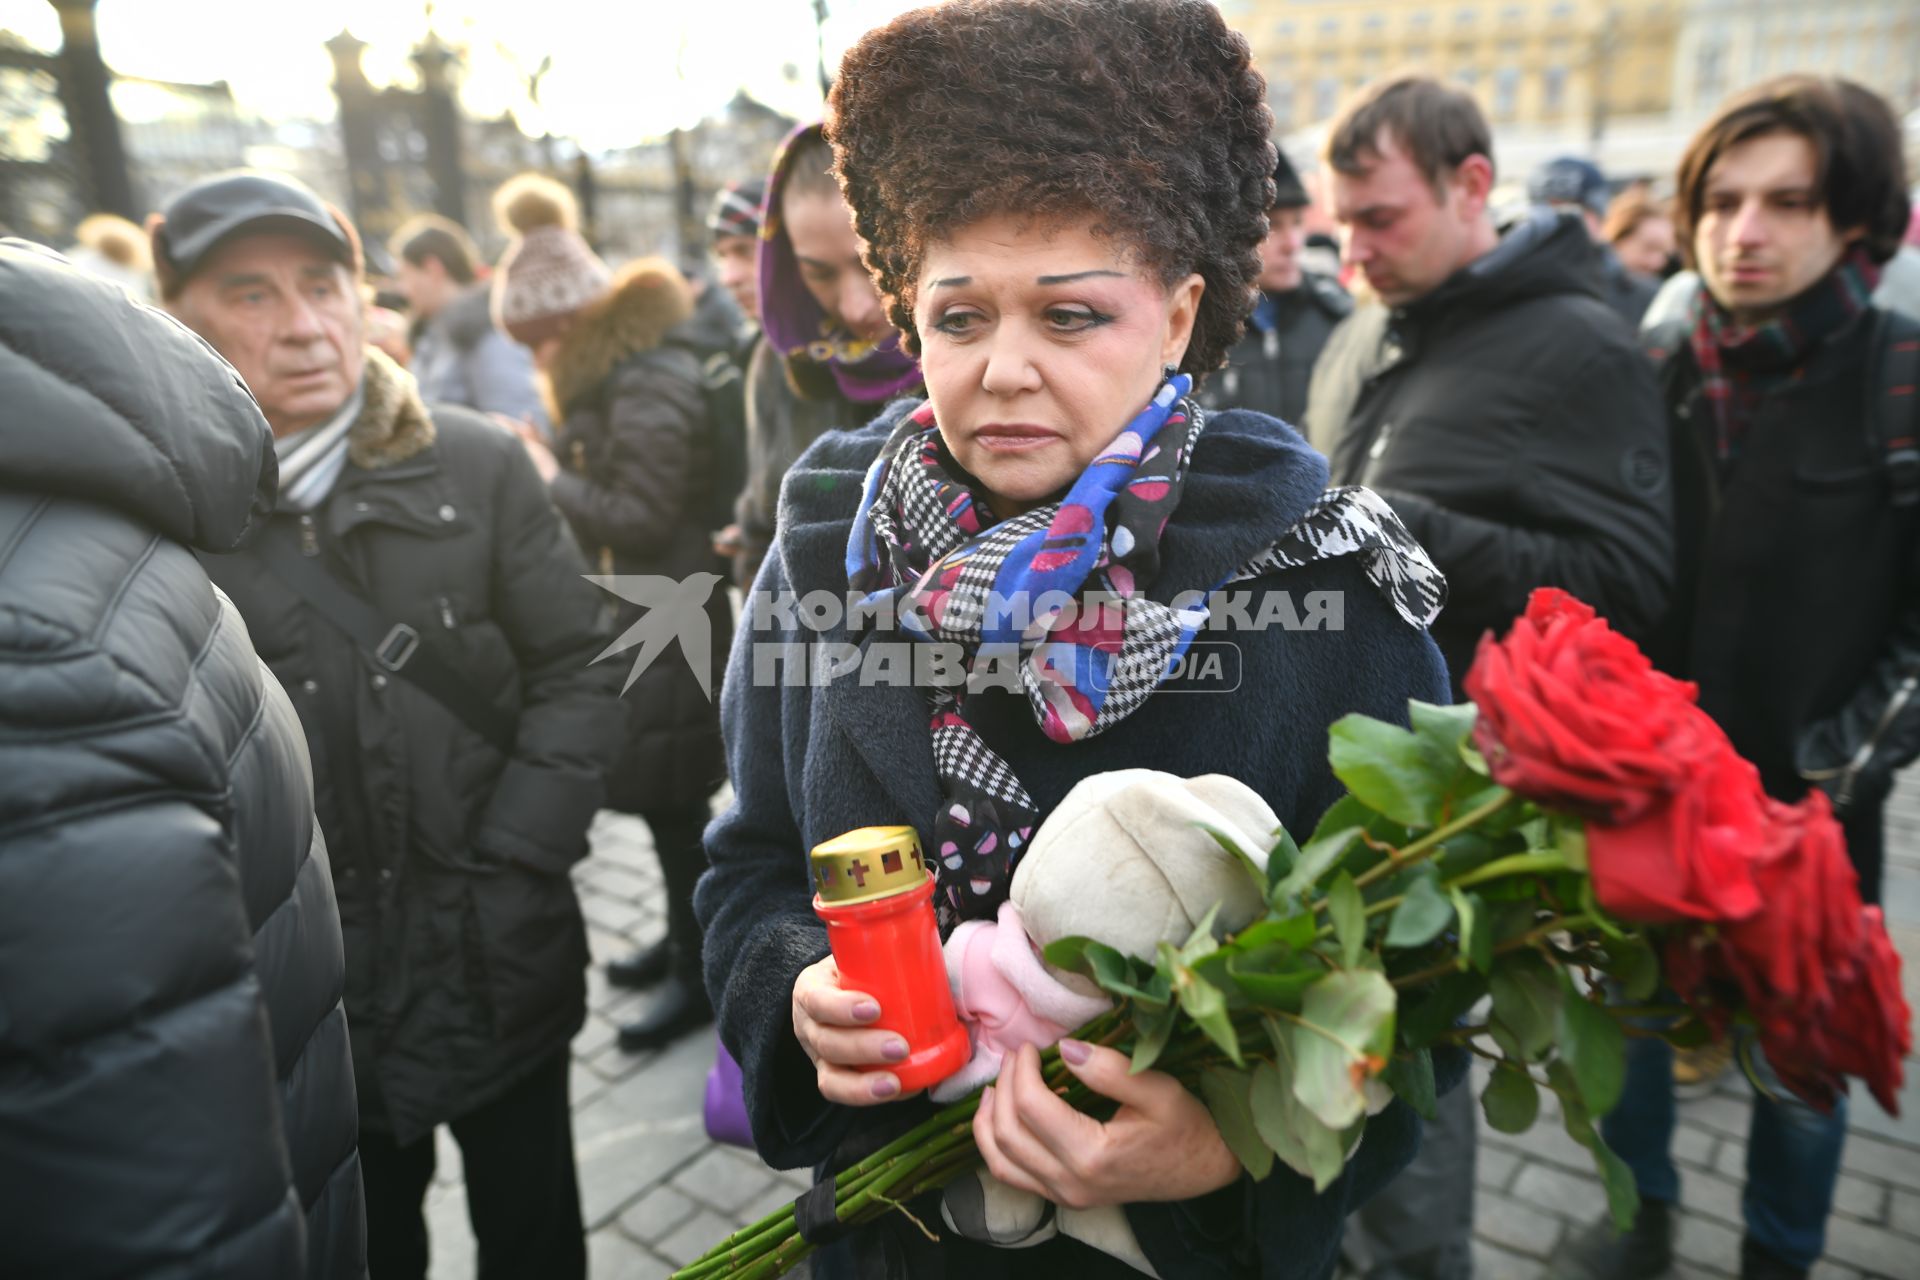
x,y
1269,369
421,600
1577,185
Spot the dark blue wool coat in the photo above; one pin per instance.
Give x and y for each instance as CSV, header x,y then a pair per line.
x,y
810,763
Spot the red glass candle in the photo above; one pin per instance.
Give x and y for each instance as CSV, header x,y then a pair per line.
x,y
875,893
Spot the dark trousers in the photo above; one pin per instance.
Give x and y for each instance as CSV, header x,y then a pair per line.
x,y
1793,1152
683,859
522,1196
1866,832
1420,1225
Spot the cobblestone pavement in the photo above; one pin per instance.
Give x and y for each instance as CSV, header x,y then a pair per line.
x,y
656,1193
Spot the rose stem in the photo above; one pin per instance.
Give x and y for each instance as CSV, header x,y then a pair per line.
x,y
1439,835
1441,969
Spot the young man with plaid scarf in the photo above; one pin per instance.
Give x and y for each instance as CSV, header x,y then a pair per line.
x,y
1796,601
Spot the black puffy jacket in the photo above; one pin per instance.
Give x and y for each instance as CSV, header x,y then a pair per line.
x,y
176,1096
640,458
1514,424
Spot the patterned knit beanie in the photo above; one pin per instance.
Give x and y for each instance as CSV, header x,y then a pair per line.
x,y
548,274
736,210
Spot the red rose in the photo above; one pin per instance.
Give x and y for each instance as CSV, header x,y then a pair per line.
x,y
1572,714
1574,717
1691,855
1809,931
1813,968
1870,1031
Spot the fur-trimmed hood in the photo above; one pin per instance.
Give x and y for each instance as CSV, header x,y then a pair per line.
x,y
649,297
393,424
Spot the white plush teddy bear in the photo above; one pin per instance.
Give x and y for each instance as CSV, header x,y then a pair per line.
x,y
1125,859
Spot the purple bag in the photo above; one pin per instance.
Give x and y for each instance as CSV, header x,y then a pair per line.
x,y
725,1106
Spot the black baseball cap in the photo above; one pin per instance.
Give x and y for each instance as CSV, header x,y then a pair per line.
x,y
1288,191
214,209
1570,180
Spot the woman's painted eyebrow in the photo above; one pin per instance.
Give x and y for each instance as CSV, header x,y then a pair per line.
x,y
1078,275
955,282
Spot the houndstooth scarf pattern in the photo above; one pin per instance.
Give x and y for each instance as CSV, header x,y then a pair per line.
x,y
1354,521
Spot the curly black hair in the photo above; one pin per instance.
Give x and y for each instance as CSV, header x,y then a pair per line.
x,y
1147,114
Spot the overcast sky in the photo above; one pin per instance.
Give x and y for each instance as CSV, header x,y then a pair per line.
x,y
620,71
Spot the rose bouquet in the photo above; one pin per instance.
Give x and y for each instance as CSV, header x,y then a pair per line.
x,y
1579,851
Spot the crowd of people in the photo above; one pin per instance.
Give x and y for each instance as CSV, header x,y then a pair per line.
x,y
303,605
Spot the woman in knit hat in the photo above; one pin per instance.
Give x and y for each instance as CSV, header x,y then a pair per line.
x,y
632,468
549,272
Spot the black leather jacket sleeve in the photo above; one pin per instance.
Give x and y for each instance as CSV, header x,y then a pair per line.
x,y
1852,754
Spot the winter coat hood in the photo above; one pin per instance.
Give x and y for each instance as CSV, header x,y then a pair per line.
x,y
120,405
647,300
1548,252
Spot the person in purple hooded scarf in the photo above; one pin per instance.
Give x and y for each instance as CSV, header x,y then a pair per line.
x,y
831,358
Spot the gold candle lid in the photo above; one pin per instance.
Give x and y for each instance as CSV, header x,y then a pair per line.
x,y
867,864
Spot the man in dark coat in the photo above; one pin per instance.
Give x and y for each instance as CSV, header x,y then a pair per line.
x,y
1796,607
1508,418
459,730
1512,423
1269,368
176,1092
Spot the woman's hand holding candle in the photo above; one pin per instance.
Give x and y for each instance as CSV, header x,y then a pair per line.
x,y
835,1028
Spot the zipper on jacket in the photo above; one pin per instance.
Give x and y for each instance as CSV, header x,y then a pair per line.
x,y
1849,773
1378,449
309,537
446,614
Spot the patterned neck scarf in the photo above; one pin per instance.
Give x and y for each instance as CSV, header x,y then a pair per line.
x,y
925,551
1740,366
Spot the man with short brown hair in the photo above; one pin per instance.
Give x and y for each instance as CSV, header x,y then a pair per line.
x,y
1796,603
1493,398
459,356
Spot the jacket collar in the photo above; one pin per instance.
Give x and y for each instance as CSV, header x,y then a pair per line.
x,y
393,473
1547,252
393,425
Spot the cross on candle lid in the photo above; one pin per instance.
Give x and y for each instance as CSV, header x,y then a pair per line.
x,y
868,864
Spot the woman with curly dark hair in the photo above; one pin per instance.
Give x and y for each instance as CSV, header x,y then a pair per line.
x,y
1060,201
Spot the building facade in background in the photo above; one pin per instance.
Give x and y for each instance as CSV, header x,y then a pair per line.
x,y
1624,82
1725,44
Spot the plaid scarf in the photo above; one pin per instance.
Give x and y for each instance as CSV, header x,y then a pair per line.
x,y
1740,367
924,544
